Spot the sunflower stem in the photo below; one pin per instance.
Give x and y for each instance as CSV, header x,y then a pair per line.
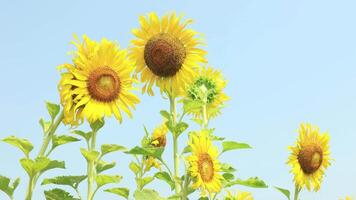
x,y
205,116
30,189
91,168
296,192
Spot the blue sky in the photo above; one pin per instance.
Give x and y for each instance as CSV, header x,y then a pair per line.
x,y
287,62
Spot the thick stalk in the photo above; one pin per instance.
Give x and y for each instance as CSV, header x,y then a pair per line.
x,y
172,102
30,188
296,193
91,168
205,116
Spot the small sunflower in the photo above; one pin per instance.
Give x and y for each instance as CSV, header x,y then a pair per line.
x,y
159,138
204,166
166,53
208,88
310,157
239,196
98,83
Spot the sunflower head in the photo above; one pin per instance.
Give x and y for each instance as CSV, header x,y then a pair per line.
x,y
97,83
204,166
310,157
150,162
159,136
239,196
166,53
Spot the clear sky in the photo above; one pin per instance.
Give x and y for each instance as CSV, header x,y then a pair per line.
x,y
287,62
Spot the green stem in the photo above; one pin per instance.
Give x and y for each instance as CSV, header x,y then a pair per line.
x,y
30,189
296,192
205,116
91,168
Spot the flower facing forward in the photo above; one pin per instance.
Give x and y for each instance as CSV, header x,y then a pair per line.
x,y
166,53
239,196
204,166
207,88
98,83
310,157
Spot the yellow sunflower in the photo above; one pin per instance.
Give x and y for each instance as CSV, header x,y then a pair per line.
x,y
208,89
98,83
204,166
239,196
159,138
347,198
310,157
166,53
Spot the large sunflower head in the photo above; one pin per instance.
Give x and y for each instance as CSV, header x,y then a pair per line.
x,y
166,53
310,157
239,196
207,88
98,83
204,166
159,138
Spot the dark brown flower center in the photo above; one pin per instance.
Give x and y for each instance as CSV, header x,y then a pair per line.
x,y
206,167
164,55
104,84
161,141
310,158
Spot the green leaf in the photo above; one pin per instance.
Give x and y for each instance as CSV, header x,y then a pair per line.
x,y
146,194
62,139
203,198
165,114
164,176
254,182
72,181
98,124
284,191
232,145
228,176
23,144
181,127
102,180
134,167
86,136
45,125
53,109
148,151
58,194
8,188
227,168
89,155
53,164
146,180
102,166
187,149
124,192
189,105
34,166
108,148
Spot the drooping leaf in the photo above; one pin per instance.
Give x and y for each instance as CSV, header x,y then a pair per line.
x,y
8,187
58,194
97,125
23,144
102,180
134,167
147,194
72,181
284,191
254,182
232,145
90,155
164,176
123,192
108,148
53,109
62,139
148,151
85,135
102,166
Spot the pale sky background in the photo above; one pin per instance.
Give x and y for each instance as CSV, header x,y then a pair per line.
x,y
286,62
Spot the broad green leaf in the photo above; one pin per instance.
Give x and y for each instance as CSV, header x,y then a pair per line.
x,y
134,167
187,149
90,155
34,166
148,151
58,194
254,182
232,145
85,135
124,192
147,194
23,144
284,191
108,148
45,125
62,139
165,177
8,188
102,180
228,176
53,109
102,166
203,198
53,164
165,114
146,180
72,181
227,168
98,124
181,127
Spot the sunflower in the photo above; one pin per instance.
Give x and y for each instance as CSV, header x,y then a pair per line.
x,y
204,166
159,136
347,198
208,88
310,157
98,83
166,53
239,196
